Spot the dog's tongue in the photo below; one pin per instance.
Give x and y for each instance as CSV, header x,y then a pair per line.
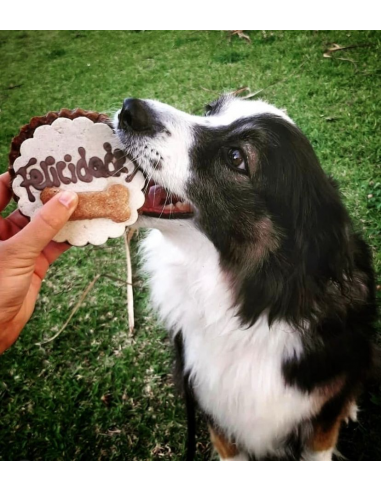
x,y
155,197
160,202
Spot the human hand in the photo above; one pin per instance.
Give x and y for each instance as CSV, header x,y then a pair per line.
x,y
26,252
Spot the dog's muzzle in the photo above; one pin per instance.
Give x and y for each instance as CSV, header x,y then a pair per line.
x,y
137,119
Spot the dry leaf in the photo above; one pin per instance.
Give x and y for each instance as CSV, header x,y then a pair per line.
x,y
106,399
241,35
334,47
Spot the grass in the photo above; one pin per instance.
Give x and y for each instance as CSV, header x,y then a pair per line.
x,y
94,393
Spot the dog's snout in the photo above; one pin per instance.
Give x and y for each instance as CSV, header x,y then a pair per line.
x,y
135,114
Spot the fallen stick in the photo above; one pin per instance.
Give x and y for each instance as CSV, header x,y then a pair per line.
x,y
130,293
75,309
336,47
253,94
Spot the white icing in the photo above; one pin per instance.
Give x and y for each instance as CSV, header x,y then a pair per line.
x,y
63,137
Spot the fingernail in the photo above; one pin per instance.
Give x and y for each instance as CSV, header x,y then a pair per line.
x,y
67,198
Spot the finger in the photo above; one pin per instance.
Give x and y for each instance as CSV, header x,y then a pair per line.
x,y
18,219
7,229
46,224
51,253
5,190
12,225
53,250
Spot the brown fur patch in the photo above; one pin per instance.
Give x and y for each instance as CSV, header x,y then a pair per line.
x,y
253,158
265,241
324,439
266,234
224,448
329,390
325,435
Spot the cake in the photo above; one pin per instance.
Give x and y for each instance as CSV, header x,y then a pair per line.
x,y
79,151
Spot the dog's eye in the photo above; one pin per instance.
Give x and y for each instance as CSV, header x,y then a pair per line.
x,y
237,159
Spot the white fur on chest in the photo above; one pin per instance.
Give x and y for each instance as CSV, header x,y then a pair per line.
x,y
235,371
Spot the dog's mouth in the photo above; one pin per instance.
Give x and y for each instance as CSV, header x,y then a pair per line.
x,y
162,204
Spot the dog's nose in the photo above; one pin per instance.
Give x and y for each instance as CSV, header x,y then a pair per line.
x,y
135,114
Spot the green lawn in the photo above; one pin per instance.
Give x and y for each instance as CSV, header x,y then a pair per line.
x,y
94,393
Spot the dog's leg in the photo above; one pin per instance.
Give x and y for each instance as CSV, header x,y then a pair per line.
x,y
322,443
182,383
226,450
237,457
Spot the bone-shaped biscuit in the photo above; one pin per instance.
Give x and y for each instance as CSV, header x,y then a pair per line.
x,y
111,203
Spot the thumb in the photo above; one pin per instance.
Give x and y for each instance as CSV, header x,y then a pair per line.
x,y
46,223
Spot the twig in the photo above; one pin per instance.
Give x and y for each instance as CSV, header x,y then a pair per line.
x,y
76,307
240,90
252,94
11,87
235,92
275,83
346,59
337,47
114,279
209,90
130,293
327,55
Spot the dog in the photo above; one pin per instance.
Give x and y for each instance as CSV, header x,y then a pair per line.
x,y
265,286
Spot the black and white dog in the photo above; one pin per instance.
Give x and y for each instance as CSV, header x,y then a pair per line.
x,y
259,276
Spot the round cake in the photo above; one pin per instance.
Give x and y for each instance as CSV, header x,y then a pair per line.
x,y
77,150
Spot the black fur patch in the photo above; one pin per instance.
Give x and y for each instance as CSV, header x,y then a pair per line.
x,y
287,243
183,385
215,106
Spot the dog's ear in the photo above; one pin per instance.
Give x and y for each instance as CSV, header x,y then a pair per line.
x,y
305,207
297,190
